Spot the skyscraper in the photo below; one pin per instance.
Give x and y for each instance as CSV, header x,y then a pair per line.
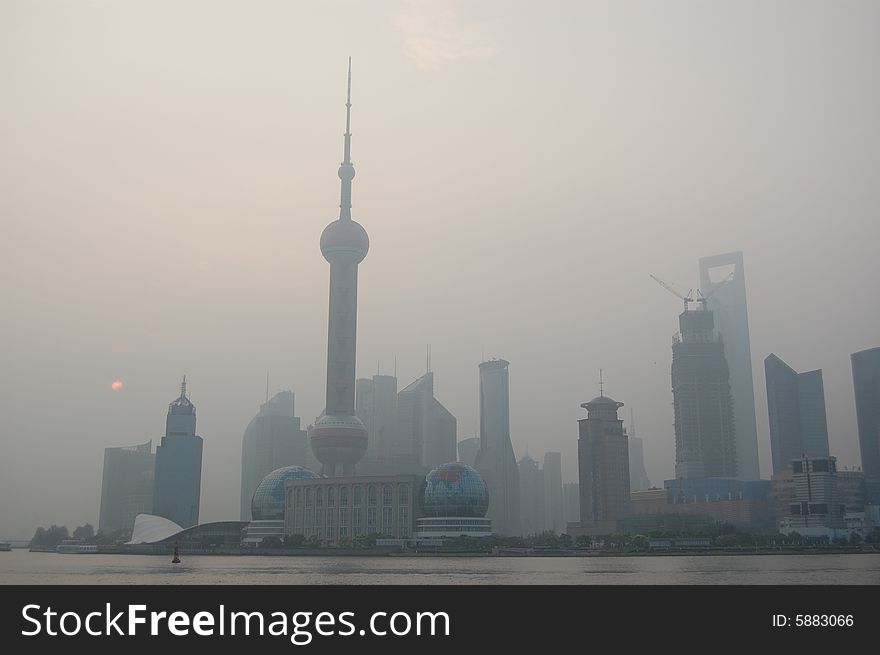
x,y
572,498
178,479
338,437
638,476
376,407
603,466
531,496
705,440
553,503
426,430
273,440
468,449
796,408
495,461
732,322
866,384
126,487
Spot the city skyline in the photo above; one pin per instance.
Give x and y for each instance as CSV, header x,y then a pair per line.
x,y
236,210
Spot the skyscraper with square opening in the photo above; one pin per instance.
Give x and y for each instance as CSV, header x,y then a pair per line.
x,y
726,272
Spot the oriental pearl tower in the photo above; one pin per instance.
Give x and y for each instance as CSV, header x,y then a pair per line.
x,y
338,437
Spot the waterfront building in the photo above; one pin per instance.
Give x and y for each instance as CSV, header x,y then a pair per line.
x,y
851,490
126,487
817,504
603,467
339,510
155,535
745,504
178,473
267,503
454,501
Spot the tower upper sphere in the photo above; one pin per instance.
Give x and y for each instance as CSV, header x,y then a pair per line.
x,y
345,240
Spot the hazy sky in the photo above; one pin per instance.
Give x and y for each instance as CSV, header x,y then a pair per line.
x,y
166,169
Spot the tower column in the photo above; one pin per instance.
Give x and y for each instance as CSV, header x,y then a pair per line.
x,y
338,437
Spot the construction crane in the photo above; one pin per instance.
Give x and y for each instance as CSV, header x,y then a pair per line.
x,y
686,298
702,299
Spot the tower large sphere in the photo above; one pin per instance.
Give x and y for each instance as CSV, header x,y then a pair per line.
x,y
344,240
454,489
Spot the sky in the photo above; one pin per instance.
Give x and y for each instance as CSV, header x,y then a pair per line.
x,y
166,169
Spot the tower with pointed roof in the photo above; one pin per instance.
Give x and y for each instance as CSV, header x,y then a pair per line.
x,y
338,437
603,466
178,475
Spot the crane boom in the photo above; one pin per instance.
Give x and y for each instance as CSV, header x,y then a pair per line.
x,y
686,298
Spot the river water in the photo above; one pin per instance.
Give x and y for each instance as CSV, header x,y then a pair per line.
x,y
23,567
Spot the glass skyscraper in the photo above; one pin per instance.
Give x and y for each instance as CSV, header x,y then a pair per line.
x,y
866,384
273,439
796,408
178,478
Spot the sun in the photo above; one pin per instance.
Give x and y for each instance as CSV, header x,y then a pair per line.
x,y
116,385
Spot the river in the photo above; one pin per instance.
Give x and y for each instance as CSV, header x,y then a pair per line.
x,y
23,567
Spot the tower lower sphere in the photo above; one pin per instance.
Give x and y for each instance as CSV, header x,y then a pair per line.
x,y
339,441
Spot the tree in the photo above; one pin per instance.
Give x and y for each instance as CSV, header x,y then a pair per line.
x,y
271,541
84,532
51,537
640,542
565,541
294,541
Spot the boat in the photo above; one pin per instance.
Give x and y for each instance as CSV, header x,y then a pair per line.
x,y
75,547
4,546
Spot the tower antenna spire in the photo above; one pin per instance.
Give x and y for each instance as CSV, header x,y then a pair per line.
x,y
347,157
346,169
601,384
183,387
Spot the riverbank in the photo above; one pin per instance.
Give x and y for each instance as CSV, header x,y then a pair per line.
x,y
499,552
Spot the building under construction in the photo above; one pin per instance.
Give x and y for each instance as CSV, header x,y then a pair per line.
x,y
705,436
